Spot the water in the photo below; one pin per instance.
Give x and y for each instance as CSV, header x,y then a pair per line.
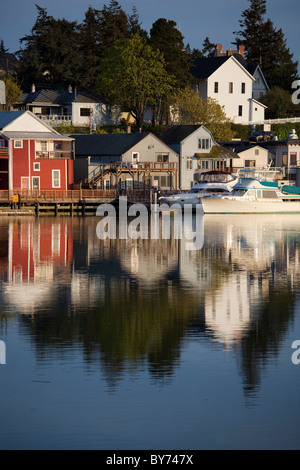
x,y
145,344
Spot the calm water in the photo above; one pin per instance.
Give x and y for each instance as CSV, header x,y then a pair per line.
x,y
144,344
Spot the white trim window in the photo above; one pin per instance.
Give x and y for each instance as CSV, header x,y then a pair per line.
x,y
36,166
55,178
135,157
36,183
189,163
18,144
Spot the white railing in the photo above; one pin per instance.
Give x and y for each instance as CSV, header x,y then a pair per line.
x,y
56,117
276,121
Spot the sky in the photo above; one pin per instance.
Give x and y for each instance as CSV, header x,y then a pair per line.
x,y
196,19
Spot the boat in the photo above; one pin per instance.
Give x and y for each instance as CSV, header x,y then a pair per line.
x,y
250,195
210,182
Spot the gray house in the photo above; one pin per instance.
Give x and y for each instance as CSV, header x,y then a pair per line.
x,y
132,160
198,152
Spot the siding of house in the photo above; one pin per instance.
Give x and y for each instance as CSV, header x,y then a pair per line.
x,y
23,172
232,72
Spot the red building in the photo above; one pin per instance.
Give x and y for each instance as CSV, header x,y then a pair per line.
x,y
33,156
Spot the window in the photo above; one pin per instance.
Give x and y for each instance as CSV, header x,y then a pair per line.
x,y
58,145
256,152
84,112
203,143
293,159
250,163
243,88
240,110
18,144
135,156
162,157
216,87
230,87
36,166
1,143
36,182
55,178
189,163
284,159
44,146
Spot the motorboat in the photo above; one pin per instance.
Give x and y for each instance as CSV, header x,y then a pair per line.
x,y
210,182
251,195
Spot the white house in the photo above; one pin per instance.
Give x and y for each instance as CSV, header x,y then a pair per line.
x,y
226,79
71,106
198,152
251,155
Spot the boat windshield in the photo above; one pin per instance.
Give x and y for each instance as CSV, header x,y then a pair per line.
x,y
238,192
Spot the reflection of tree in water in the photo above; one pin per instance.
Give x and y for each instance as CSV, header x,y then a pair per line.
x,y
129,329
262,341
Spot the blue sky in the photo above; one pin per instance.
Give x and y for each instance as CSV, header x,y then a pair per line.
x,y
196,19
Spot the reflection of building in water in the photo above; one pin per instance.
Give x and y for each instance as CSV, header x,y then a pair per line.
x,y
227,309
38,253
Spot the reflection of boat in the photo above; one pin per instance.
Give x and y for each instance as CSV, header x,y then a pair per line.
x,y
254,196
209,182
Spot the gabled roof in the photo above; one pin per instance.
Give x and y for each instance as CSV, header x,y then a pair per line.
x,y
6,117
178,133
204,67
59,98
106,144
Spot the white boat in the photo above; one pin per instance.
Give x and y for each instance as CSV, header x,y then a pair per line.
x,y
254,196
210,182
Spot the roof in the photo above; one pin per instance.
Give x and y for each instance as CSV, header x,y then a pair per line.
x,y
6,117
35,135
218,151
178,133
106,144
59,98
204,67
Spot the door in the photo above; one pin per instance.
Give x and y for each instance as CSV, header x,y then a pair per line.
x,y
24,183
36,183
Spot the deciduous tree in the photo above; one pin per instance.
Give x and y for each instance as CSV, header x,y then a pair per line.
x,y
133,76
189,108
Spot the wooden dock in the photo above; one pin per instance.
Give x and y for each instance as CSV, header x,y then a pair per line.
x,y
66,202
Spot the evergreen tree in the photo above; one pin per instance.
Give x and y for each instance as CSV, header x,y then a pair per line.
x,y
266,45
51,52
90,47
165,37
208,48
3,50
114,24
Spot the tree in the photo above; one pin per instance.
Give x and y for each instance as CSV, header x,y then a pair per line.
x,y
279,103
189,108
133,76
208,48
12,91
165,37
266,46
50,54
3,50
114,24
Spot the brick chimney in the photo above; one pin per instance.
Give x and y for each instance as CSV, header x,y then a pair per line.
x,y
241,50
219,47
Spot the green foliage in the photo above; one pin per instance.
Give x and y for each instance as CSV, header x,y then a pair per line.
x,y
283,130
133,75
12,91
279,103
266,46
241,131
189,108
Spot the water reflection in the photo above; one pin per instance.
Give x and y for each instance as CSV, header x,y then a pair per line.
x,y
133,304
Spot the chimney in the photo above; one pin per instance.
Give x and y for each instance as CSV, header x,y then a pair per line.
x,y
70,88
33,88
241,50
128,129
229,52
